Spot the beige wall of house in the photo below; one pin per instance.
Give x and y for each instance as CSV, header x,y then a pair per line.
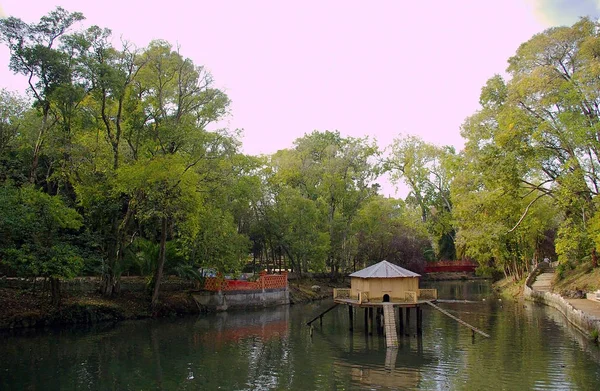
x,y
377,287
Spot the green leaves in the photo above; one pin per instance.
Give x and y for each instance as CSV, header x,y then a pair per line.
x,y
34,233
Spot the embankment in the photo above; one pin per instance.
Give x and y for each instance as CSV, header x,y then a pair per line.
x,y
23,305
583,321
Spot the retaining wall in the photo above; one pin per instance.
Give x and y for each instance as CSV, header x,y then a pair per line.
x,y
92,284
229,300
584,322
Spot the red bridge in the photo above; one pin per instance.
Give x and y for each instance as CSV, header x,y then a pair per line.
x,y
450,266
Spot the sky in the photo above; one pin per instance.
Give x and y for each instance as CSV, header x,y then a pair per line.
x,y
365,68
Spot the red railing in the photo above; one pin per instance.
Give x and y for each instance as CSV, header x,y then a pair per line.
x,y
450,266
265,281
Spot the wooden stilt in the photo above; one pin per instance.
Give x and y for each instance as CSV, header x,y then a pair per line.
x,y
407,328
366,321
351,317
372,322
401,320
419,320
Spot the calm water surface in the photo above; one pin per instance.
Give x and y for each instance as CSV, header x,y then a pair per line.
x,y
531,349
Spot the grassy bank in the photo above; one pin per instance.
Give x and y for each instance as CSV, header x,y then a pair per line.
x,y
568,281
22,308
509,288
583,278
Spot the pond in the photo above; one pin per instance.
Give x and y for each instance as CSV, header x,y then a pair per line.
x,y
531,347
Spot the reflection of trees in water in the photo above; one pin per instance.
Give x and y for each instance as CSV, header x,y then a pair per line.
x,y
264,334
460,290
529,348
559,319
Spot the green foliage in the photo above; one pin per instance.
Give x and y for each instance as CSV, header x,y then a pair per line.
x,y
34,234
122,134
428,171
387,229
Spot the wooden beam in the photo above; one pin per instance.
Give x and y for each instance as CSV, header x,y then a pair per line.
x,y
473,328
321,314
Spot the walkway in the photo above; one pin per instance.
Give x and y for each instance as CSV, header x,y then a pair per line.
x,y
591,307
543,283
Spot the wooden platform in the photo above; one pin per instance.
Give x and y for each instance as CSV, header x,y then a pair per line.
x,y
402,304
391,336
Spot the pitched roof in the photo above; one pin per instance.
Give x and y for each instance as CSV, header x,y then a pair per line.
x,y
384,269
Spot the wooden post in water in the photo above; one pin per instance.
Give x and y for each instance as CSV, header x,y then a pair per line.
x,y
407,329
419,320
400,320
366,320
372,322
351,316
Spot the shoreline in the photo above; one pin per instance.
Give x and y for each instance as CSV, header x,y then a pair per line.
x,y
27,308
585,322
578,312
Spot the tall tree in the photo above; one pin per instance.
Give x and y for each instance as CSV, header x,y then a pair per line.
x,y
427,170
35,53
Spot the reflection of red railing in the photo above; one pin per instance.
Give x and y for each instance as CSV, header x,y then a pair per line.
x,y
265,281
450,266
235,334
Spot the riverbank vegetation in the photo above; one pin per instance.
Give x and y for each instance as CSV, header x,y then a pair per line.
x,y
116,163
31,308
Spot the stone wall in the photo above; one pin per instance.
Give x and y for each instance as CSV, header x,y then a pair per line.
x,y
581,320
92,284
228,300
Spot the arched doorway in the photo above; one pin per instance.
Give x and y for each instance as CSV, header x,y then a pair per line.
x,y
386,298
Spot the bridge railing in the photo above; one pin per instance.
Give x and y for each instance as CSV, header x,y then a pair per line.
x,y
265,281
450,266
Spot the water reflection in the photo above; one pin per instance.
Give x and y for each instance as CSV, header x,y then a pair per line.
x,y
531,348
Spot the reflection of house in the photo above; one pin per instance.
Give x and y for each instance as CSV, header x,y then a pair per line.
x,y
393,375
384,282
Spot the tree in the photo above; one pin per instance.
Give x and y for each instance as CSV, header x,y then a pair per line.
x,y
388,229
34,235
341,173
34,54
426,169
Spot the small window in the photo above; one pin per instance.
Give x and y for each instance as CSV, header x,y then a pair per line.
x,y
386,298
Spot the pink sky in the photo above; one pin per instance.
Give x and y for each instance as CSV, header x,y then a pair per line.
x,y
376,68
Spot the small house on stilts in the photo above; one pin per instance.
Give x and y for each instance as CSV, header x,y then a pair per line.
x,y
380,289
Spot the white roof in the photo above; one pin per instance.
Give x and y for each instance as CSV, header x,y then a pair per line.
x,y
384,269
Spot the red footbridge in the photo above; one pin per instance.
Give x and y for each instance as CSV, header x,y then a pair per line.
x,y
450,266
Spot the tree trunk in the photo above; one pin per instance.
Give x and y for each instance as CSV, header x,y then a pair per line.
x,y
161,261
55,291
594,258
109,280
